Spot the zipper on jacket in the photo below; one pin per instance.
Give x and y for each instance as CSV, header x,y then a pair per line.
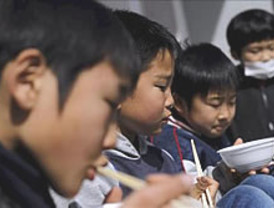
x,y
266,105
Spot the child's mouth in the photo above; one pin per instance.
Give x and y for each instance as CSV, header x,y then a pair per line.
x,y
165,120
220,127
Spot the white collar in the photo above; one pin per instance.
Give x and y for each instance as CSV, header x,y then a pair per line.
x,y
126,149
179,124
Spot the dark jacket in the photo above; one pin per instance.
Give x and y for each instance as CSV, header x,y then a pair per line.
x,y
22,185
254,117
175,138
140,162
177,142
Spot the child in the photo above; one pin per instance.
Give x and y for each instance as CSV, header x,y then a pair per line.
x,y
250,36
64,67
204,91
142,112
147,109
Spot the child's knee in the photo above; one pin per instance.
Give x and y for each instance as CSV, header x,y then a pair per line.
x,y
246,196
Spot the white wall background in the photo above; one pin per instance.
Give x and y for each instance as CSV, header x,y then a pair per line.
x,y
198,20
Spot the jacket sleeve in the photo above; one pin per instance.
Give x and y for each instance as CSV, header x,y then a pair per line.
x,y
225,178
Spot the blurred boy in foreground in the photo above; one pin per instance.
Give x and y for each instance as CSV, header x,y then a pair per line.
x,y
65,65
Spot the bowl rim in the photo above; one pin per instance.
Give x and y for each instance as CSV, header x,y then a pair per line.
x,y
254,143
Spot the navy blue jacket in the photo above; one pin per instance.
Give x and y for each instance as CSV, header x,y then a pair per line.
x,y
176,141
254,117
22,184
142,162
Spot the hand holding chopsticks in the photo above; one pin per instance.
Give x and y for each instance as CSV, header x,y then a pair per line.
x,y
128,180
205,197
168,188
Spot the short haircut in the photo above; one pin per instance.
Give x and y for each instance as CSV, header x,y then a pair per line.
x,y
248,27
201,69
149,36
73,35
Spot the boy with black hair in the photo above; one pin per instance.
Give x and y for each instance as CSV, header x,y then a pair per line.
x,y
65,65
250,36
204,91
146,110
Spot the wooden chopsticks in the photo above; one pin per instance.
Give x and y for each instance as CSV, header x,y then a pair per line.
x,y
206,197
136,184
128,180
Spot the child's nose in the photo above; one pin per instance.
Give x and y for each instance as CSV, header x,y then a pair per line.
x,y
225,113
169,99
266,55
110,138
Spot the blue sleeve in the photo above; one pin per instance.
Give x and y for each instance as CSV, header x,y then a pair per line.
x,y
174,140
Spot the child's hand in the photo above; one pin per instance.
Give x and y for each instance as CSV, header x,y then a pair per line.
x,y
159,192
115,195
202,184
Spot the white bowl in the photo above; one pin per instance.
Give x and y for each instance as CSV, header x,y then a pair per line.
x,y
250,155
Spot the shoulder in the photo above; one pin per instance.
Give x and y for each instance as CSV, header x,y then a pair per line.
x,y
164,158
6,202
167,130
152,149
171,133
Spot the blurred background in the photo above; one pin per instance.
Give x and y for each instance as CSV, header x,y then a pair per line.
x,y
197,20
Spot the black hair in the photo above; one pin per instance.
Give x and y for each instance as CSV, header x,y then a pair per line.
x,y
73,35
201,69
149,36
248,27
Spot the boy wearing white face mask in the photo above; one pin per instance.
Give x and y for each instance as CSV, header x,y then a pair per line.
x,y
250,36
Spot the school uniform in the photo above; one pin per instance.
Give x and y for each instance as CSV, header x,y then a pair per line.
x,y
141,161
176,139
22,183
91,195
254,117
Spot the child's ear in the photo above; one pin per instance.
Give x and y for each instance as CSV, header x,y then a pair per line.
x,y
24,76
235,55
179,104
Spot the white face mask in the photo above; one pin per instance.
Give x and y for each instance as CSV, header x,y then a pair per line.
x,y
259,70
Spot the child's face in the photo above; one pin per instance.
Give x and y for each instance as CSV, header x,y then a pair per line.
x,y
146,110
258,51
211,115
69,142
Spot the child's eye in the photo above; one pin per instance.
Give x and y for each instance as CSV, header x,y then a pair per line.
x,y
161,87
271,48
255,51
112,104
215,104
232,102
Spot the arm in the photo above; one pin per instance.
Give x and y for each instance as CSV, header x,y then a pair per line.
x,y
160,191
202,184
